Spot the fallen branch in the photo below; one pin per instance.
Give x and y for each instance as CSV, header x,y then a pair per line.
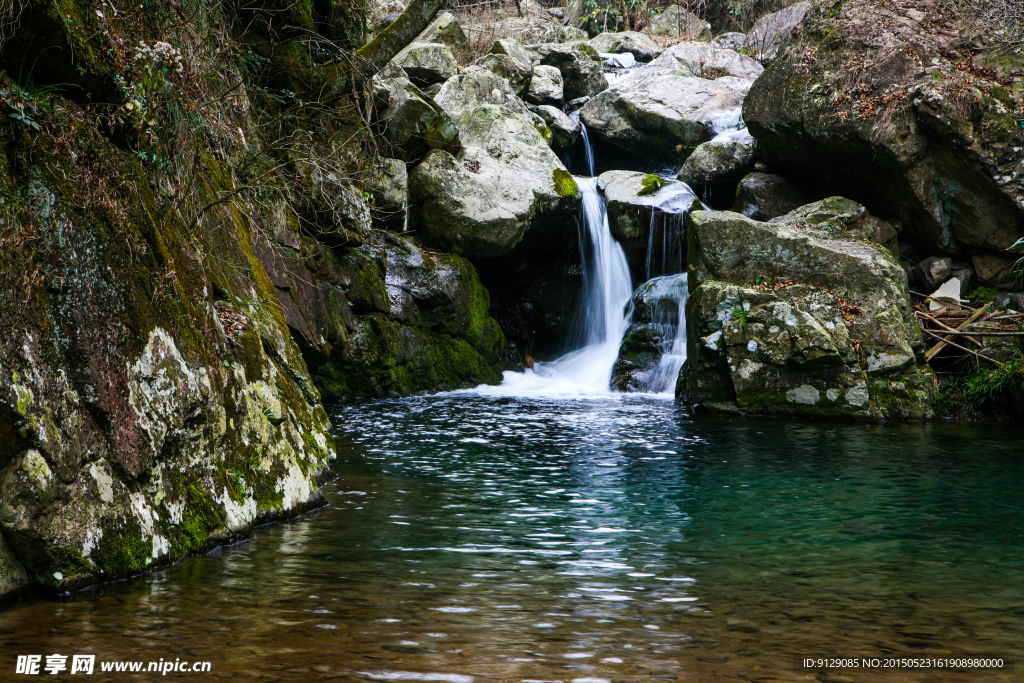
x,y
980,334
922,314
932,352
943,342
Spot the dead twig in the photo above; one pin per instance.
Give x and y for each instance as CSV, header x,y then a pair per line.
x,y
943,342
932,352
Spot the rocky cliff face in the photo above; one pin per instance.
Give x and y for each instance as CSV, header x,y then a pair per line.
x,y
192,249
883,105
152,400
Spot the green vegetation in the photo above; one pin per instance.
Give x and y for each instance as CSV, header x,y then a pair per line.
x,y
985,392
565,184
650,184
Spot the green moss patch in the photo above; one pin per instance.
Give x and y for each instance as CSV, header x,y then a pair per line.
x,y
565,184
650,185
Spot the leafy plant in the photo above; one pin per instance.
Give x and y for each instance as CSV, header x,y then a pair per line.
x,y
740,314
1018,265
982,294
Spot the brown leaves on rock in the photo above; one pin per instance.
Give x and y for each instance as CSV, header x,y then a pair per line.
x,y
233,323
847,310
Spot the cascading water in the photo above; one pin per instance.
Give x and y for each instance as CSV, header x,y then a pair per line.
x,y
666,234
606,290
668,316
587,149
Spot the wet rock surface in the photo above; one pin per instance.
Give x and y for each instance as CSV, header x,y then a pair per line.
x,y
800,316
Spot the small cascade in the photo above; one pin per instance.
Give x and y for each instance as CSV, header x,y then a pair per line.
x,y
587,149
666,235
601,322
670,322
606,280
666,243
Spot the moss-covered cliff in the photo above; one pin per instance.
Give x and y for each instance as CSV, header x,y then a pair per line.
x,y
187,228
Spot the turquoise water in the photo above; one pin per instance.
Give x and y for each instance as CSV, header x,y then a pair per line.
x,y
473,538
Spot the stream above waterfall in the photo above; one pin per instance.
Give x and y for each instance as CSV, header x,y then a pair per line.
x,y
481,539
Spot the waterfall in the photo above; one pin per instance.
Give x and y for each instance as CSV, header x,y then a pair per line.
x,y
587,149
606,280
670,322
667,236
601,321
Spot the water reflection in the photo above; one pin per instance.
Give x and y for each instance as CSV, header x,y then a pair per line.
x,y
495,539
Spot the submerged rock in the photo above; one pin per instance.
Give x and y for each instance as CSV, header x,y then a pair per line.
x,y
797,318
505,180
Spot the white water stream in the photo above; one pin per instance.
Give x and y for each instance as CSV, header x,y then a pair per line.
x,y
607,287
606,290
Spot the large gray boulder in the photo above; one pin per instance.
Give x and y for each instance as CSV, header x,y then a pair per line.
x,y
841,216
708,61
664,113
512,62
476,86
797,318
771,31
715,168
763,196
427,63
410,122
637,44
579,63
678,22
907,144
732,41
531,29
546,86
517,74
506,179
